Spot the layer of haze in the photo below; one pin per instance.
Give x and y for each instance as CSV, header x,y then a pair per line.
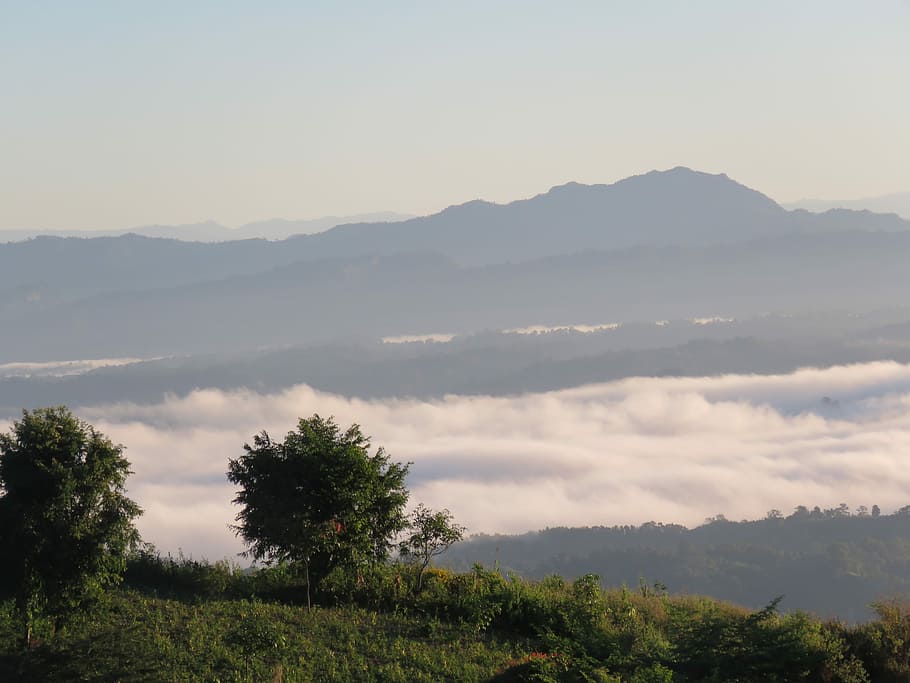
x,y
120,114
673,450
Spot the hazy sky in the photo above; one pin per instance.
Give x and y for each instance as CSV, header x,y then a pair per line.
x,y
115,114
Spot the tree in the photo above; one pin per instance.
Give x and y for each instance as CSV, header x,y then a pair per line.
x,y
432,533
318,498
800,512
66,524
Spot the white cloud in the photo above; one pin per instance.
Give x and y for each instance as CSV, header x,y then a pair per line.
x,y
61,368
673,450
437,337
546,329
712,320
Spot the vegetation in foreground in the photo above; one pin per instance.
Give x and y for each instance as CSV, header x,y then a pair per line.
x,y
184,620
830,562
324,514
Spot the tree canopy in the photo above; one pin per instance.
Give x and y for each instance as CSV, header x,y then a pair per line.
x,y
65,521
431,533
319,497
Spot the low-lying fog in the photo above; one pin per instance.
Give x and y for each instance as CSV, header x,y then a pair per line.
x,y
673,450
61,368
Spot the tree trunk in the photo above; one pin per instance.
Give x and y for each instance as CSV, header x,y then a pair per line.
x,y
423,569
24,612
306,569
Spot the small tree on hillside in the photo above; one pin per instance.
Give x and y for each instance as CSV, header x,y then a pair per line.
x,y
65,523
431,534
318,498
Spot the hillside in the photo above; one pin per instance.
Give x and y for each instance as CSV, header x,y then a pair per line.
x,y
478,626
490,363
210,231
829,562
419,293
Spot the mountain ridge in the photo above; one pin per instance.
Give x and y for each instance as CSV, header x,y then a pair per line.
x,y
405,293
212,231
679,208
675,207
895,203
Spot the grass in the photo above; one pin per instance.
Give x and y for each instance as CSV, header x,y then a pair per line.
x,y
473,626
137,638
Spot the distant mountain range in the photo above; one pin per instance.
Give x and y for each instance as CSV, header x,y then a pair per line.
x,y
489,363
376,296
671,244
898,203
679,207
210,231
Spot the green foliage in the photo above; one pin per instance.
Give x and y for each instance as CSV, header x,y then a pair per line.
x,y
713,643
883,645
136,638
65,523
319,503
477,625
431,533
184,578
824,561
319,497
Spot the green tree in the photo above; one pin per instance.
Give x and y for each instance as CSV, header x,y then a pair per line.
x,y
431,534
65,523
318,498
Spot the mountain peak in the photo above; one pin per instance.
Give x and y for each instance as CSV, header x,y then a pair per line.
x,y
655,180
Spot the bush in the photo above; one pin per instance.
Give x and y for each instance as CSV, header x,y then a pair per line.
x,y
575,631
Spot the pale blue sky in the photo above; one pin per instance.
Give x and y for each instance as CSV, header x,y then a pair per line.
x,y
115,114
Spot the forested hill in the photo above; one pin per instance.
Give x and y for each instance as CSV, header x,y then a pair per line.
x,y
830,562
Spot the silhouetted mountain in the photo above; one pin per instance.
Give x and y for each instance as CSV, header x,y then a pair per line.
x,y
483,364
47,270
418,293
661,208
210,231
678,207
898,203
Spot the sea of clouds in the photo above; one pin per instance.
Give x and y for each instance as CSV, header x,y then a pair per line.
x,y
664,449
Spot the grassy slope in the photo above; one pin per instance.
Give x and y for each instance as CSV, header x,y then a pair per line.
x,y
475,626
135,638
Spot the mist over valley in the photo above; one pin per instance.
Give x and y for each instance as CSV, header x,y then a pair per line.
x,y
657,336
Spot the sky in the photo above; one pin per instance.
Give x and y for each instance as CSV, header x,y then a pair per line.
x,y
118,114
627,452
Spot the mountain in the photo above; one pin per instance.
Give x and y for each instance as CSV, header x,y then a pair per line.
x,y
669,244
417,293
280,228
679,207
898,203
489,363
825,562
210,231
661,208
